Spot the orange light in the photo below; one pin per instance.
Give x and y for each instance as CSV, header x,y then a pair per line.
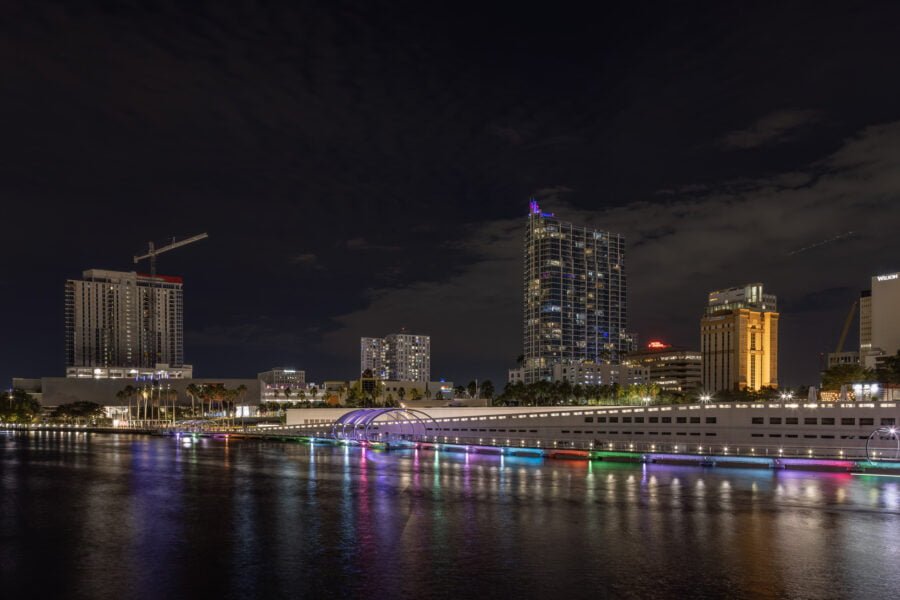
x,y
657,345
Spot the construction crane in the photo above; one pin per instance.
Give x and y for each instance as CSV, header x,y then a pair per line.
x,y
847,322
152,253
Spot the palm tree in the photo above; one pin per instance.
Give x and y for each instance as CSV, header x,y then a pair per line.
x,y
192,390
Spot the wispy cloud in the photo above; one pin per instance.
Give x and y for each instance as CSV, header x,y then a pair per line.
x,y
773,128
360,243
307,260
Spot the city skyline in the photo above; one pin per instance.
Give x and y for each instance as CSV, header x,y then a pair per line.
x,y
380,181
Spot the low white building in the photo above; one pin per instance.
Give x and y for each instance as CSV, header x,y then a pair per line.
x,y
281,383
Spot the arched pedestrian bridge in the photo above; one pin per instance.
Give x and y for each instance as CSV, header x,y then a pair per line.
x,y
382,425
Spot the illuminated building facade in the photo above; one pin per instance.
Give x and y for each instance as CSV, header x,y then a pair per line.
x,y
281,383
397,357
575,296
672,369
109,320
739,340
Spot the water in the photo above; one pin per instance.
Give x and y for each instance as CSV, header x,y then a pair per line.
x,y
108,516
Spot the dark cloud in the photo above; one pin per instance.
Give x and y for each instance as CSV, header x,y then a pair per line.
x,y
307,260
771,129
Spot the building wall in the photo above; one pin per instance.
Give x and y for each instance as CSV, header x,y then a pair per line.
x,y
886,313
65,390
739,350
718,347
600,374
397,356
843,358
515,376
574,295
273,383
408,357
372,356
673,369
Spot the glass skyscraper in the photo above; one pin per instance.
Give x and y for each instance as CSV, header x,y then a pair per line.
x,y
575,295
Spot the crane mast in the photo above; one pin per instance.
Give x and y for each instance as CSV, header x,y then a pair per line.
x,y
152,253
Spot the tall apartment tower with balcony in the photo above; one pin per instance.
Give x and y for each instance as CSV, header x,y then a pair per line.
x,y
739,340
575,296
110,322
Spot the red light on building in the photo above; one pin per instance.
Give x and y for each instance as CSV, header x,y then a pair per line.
x,y
657,345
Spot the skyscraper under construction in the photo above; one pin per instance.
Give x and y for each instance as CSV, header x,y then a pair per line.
x,y
110,321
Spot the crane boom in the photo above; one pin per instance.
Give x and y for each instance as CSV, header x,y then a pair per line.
x,y
846,329
153,251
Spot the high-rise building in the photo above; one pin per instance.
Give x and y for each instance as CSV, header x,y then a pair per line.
x,y
372,356
408,357
879,319
110,320
739,340
397,357
673,369
575,295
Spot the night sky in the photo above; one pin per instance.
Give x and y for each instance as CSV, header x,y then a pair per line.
x,y
364,166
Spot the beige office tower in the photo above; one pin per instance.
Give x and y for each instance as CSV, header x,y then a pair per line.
x,y
739,340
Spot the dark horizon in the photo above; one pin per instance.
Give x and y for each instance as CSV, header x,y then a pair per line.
x,y
363,167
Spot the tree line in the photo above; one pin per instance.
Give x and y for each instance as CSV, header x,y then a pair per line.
x,y
555,393
887,372
156,403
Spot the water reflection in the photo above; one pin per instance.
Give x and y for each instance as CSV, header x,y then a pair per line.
x,y
117,516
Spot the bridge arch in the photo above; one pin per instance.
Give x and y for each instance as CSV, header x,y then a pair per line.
x,y
381,425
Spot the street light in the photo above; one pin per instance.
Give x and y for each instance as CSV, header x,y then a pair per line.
x,y
705,398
